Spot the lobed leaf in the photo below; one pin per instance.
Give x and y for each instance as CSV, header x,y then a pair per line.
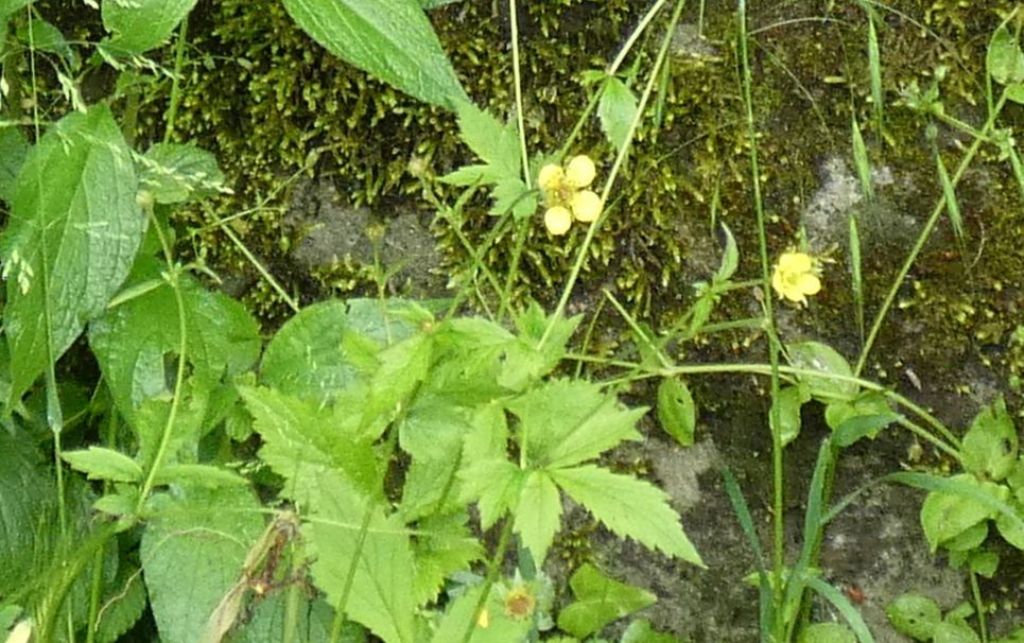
x,y
538,514
100,463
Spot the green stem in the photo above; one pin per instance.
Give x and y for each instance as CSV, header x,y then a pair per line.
x,y
979,606
926,232
620,159
493,569
179,63
96,591
340,609
778,505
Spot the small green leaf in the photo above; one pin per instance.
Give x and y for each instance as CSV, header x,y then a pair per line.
x,y
45,37
914,615
641,631
99,463
462,612
789,402
968,539
944,515
71,238
730,258
990,445
443,545
177,173
827,633
616,111
1005,60
202,475
815,356
600,600
954,632
677,412
391,39
141,25
538,514
629,507
1011,530
984,563
494,143
10,7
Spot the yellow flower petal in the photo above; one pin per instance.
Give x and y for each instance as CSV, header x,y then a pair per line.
x,y
586,206
808,283
557,220
550,177
795,262
580,171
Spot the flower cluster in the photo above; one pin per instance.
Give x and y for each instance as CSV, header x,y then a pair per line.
x,y
797,274
566,195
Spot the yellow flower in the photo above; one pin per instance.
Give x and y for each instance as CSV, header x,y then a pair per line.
x,y
557,220
566,196
520,603
796,276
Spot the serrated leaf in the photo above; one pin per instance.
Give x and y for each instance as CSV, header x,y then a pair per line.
x,y
494,143
442,546
203,475
390,39
990,446
629,507
122,606
468,175
511,195
25,501
677,412
135,342
538,514
140,25
100,463
599,601
565,422
815,356
13,149
616,111
73,232
179,173
1004,59
494,485
301,441
193,552
378,560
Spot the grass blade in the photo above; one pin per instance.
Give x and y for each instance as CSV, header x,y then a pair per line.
x,y
742,511
861,160
856,278
952,205
845,607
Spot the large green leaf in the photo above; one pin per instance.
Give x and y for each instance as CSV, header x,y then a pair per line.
x,y
352,540
390,39
141,25
133,340
629,507
9,7
565,422
25,500
193,553
13,148
599,601
71,238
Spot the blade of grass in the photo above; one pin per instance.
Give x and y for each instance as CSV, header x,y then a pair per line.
x,y
875,71
856,278
742,511
952,205
861,160
844,606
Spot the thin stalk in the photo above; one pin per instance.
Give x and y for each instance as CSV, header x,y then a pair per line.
x,y
179,63
620,158
493,568
179,378
633,37
291,613
979,606
96,590
922,238
288,299
778,505
340,609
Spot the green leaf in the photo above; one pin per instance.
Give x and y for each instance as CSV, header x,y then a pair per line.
x,y
99,463
641,631
565,422
1011,530
494,485
70,241
677,412
376,560
789,401
177,173
616,111
140,25
193,552
945,515
45,37
26,498
202,475
302,440
1016,479
442,546
1004,59
629,507
730,258
390,39
599,601
862,417
827,633
136,341
313,625
538,514
494,143
815,356
122,606
990,446
954,632
13,149
499,627
10,7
